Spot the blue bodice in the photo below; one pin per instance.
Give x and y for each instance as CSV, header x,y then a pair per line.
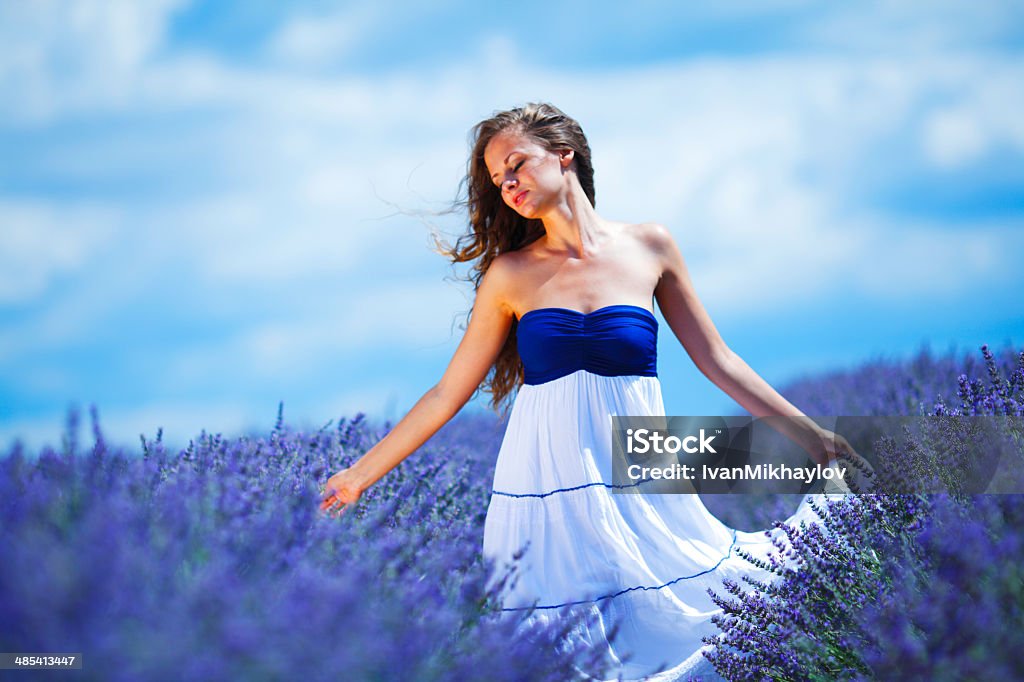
x,y
617,340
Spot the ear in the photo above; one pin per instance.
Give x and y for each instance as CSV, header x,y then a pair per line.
x,y
565,157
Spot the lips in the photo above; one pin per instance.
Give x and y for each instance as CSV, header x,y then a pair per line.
x,y
518,198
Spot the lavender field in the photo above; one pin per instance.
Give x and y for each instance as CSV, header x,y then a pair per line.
x,y
214,563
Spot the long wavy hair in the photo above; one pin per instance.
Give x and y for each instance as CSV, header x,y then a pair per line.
x,y
494,228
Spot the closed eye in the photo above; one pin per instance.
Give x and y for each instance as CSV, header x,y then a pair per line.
x,y
515,168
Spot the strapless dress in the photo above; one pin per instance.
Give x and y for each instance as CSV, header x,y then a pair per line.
x,y
643,562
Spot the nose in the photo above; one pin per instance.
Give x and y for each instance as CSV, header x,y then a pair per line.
x,y
510,184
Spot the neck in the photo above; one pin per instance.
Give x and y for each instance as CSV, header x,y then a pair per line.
x,y
572,226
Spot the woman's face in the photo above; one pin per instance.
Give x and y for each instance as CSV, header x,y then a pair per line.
x,y
530,177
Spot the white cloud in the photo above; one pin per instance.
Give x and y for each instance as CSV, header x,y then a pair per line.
x,y
862,259
982,118
324,39
903,28
76,54
751,161
745,160
409,316
40,241
953,138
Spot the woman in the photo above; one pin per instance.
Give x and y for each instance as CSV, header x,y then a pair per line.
x,y
563,311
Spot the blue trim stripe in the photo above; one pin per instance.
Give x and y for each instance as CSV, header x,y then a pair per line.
x,y
577,487
630,589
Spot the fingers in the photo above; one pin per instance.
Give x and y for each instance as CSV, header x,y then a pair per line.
x,y
859,461
862,476
333,506
337,496
330,502
326,501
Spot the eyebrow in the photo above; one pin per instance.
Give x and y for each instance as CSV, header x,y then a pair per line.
x,y
506,160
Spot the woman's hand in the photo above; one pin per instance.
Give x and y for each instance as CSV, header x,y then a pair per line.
x,y
835,447
342,489
830,446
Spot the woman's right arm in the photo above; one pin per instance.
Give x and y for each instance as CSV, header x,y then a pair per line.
x,y
488,328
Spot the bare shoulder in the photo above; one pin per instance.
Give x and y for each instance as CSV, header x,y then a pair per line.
x,y
505,267
498,283
654,241
655,236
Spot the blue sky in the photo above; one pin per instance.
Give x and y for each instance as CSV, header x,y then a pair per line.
x,y
208,208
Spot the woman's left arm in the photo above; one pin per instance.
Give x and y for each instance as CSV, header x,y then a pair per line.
x,y
692,325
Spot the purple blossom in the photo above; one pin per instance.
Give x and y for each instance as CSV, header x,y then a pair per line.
x,y
212,562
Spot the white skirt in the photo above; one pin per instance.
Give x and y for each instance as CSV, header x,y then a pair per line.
x,y
642,561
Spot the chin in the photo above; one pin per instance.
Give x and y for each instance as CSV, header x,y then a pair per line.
x,y
522,210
